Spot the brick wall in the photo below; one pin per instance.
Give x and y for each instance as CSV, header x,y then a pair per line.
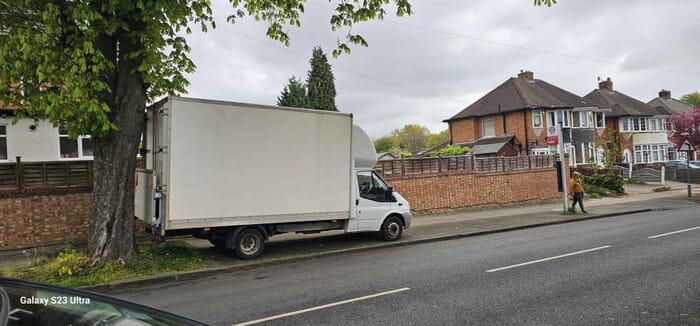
x,y
463,131
517,123
44,220
451,191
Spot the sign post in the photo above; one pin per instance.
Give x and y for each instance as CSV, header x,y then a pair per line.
x,y
687,147
552,136
559,136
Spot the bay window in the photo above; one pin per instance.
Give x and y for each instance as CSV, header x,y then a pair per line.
x,y
554,117
649,153
582,119
643,124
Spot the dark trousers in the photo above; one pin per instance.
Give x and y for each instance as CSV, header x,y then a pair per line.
x,y
578,198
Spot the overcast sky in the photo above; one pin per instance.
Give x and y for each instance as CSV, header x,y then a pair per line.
x,y
427,67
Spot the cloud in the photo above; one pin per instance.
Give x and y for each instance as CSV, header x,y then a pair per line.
x,y
427,67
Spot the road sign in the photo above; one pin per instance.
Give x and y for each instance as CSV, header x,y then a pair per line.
x,y
552,136
686,146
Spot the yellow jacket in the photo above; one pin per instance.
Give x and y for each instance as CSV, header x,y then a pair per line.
x,y
575,186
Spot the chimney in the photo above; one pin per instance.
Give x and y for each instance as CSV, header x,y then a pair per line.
x,y
606,84
527,75
665,94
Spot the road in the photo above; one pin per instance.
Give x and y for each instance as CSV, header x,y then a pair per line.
x,y
626,270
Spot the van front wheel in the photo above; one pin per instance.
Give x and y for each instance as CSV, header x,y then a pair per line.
x,y
249,244
392,229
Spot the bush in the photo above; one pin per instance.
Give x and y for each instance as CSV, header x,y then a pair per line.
x,y
451,150
603,183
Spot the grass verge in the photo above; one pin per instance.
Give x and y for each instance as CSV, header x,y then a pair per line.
x,y
69,268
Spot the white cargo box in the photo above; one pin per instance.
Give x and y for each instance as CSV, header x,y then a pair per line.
x,y
225,164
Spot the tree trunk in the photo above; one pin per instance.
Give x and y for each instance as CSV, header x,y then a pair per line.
x,y
112,235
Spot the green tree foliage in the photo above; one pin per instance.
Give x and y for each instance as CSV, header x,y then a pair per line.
x,y
384,144
411,137
437,139
91,67
611,147
691,99
320,83
293,95
399,152
451,150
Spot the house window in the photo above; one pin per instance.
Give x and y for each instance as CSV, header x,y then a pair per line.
x,y
537,119
3,142
625,124
488,127
643,124
576,119
587,153
74,148
554,117
582,119
650,153
600,120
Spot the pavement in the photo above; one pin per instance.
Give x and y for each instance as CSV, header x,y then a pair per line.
x,y
634,269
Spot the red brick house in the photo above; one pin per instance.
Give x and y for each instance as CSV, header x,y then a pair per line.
x,y
521,109
674,107
639,128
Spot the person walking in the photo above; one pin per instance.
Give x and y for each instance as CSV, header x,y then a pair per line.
x,y
576,187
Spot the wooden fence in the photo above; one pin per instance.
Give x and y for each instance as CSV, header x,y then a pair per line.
x,y
466,163
20,175
681,175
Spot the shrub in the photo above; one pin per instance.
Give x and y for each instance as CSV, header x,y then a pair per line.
x,y
451,150
604,182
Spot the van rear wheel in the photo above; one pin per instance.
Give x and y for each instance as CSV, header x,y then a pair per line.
x,y
392,229
249,244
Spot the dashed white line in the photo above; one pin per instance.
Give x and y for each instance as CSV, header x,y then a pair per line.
x,y
545,259
257,321
674,232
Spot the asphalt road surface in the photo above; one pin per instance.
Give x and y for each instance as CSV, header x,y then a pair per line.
x,y
627,270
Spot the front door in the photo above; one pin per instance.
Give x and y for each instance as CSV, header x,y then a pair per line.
x,y
374,202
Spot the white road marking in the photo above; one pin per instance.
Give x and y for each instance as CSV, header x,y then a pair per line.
x,y
674,232
545,259
321,307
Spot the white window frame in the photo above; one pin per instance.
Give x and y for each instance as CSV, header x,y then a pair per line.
x,y
588,151
585,119
650,153
540,114
483,130
541,151
599,120
566,123
80,139
643,124
6,144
